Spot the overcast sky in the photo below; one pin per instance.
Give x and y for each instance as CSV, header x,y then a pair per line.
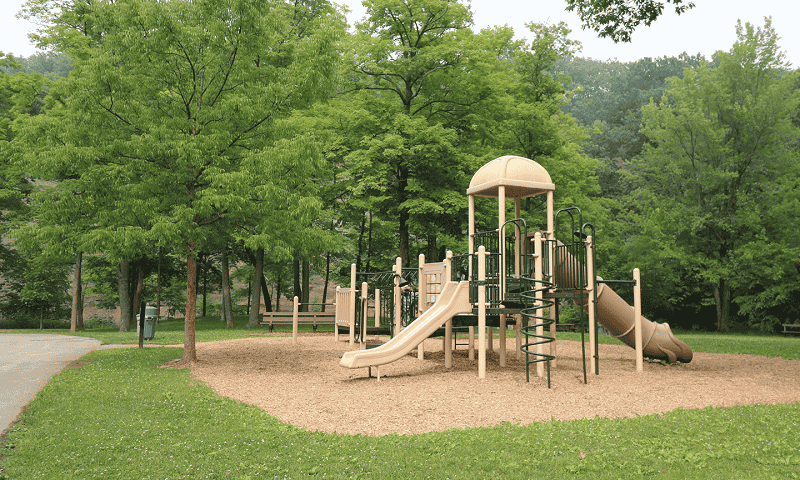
x,y
709,27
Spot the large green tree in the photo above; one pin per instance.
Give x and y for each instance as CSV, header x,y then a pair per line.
x,y
33,278
721,161
420,80
174,115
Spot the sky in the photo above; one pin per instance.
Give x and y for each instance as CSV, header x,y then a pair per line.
x,y
708,27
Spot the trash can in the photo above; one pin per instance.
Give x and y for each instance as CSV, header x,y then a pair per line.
x,y
150,319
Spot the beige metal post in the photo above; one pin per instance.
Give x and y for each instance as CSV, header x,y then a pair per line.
x,y
352,311
295,322
482,313
517,238
398,318
422,284
448,344
448,328
337,307
538,262
501,247
551,236
471,237
637,319
364,311
471,347
591,277
377,307
503,327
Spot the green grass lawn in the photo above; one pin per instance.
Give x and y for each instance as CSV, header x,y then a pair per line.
x,y
170,331
119,416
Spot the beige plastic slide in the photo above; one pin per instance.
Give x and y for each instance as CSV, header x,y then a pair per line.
x,y
658,342
453,300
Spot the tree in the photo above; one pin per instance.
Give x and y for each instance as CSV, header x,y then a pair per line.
x,y
420,80
721,154
33,275
617,19
176,117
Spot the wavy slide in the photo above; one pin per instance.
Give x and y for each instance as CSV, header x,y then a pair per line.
x,y
658,342
453,300
617,316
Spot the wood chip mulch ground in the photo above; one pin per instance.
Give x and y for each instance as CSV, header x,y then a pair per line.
x,y
304,385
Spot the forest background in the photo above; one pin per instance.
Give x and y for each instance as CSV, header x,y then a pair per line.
x,y
157,151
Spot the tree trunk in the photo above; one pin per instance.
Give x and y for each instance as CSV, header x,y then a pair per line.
x,y
265,294
137,292
722,298
124,296
297,289
369,243
403,217
158,284
324,307
360,244
278,290
80,312
306,298
249,296
76,293
204,266
189,352
403,245
227,307
432,252
255,293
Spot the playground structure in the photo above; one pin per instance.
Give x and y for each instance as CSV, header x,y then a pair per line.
x,y
508,274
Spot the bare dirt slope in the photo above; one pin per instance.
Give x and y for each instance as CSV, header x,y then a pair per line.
x,y
304,385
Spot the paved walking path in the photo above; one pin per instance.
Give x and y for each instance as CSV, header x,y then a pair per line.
x,y
28,361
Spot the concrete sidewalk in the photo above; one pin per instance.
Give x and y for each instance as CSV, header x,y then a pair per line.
x,y
28,361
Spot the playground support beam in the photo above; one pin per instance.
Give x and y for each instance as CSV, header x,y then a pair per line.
x,y
501,242
551,252
337,307
448,328
471,235
591,286
482,312
538,276
503,326
637,319
377,307
398,317
364,311
422,288
352,311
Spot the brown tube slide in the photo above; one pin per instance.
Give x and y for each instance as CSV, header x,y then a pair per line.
x,y
616,316
658,342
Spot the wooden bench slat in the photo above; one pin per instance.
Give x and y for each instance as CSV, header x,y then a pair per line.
x,y
305,318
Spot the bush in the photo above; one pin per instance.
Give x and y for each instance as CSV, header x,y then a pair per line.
x,y
27,322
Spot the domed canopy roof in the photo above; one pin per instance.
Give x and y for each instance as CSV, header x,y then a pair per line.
x,y
521,176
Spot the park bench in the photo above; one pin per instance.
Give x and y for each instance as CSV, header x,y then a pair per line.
x,y
303,318
791,328
567,327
